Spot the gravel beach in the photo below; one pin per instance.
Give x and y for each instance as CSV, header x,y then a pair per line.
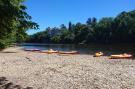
x,y
33,70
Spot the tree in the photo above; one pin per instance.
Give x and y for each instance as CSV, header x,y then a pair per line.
x,y
104,30
124,27
14,22
70,26
69,38
63,27
93,22
89,21
55,39
107,30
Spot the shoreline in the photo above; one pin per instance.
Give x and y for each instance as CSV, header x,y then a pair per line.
x,y
42,44
52,71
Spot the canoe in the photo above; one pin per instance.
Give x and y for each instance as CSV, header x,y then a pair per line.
x,y
121,56
31,49
98,54
70,52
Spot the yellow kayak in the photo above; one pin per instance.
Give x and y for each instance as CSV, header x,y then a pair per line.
x,y
98,54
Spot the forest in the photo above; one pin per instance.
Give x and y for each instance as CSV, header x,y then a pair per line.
x,y
108,30
14,22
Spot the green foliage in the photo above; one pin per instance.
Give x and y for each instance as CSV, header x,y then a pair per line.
x,y
107,30
70,26
14,22
55,39
104,30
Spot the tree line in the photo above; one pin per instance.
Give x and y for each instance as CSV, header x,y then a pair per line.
x,y
107,30
14,22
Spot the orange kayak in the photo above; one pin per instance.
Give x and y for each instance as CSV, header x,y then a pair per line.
x,y
71,52
121,56
49,51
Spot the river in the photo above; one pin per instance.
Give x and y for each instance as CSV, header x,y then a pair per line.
x,y
85,48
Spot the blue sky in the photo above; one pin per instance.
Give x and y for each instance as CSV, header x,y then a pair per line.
x,y
56,12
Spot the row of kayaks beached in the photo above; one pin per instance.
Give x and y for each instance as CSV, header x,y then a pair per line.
x,y
50,51
97,54
115,56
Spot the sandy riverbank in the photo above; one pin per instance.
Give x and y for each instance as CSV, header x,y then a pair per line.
x,y
51,71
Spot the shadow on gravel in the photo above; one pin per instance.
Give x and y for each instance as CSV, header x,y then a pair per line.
x,y
8,52
5,84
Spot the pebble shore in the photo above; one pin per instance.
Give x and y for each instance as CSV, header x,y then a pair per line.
x,y
34,70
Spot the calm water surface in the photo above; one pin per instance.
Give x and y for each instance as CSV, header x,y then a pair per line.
x,y
86,49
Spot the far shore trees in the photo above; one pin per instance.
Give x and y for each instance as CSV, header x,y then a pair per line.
x,y
107,30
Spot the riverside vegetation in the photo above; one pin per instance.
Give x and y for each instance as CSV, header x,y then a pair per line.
x,y
107,30
14,22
